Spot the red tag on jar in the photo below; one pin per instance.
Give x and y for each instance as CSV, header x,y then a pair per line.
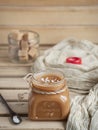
x,y
74,60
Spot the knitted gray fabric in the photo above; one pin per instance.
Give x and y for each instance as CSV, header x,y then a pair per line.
x,y
80,78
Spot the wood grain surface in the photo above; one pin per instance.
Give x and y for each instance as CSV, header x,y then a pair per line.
x,y
48,2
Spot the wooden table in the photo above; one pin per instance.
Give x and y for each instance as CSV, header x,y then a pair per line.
x,y
15,91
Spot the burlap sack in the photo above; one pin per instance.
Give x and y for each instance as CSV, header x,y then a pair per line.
x,y
80,78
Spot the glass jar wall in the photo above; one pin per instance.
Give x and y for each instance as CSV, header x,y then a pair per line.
x,y
23,46
49,96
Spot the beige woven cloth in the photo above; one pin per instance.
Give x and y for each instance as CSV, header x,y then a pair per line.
x,y
80,78
84,112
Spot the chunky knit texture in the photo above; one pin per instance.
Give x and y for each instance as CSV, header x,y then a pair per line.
x,y
80,78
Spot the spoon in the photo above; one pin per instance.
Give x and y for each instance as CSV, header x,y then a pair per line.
x,y
16,119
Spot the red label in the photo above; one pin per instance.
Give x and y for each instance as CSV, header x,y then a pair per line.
x,y
74,60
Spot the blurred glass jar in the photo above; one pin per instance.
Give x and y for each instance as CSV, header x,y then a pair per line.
x,y
23,46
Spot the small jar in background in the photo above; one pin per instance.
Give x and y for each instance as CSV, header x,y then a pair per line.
x,y
23,46
49,96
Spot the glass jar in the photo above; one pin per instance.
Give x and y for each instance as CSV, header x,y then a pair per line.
x,y
49,96
23,46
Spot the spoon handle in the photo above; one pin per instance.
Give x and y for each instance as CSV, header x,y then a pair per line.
x,y
5,103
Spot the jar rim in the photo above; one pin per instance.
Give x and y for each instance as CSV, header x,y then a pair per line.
x,y
20,31
55,72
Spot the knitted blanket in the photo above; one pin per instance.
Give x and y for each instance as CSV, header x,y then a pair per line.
x,y
80,77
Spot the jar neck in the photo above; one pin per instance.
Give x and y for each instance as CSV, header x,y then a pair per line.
x,y
38,91
54,87
47,80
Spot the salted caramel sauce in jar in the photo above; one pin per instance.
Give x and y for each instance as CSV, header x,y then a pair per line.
x,y
49,96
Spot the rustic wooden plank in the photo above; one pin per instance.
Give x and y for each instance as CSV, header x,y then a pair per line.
x,y
5,62
22,95
13,83
22,107
4,57
31,125
3,47
54,34
45,8
15,95
48,2
49,16
18,107
41,46
4,54
14,71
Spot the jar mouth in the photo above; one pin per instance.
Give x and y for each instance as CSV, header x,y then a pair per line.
x,y
48,78
12,35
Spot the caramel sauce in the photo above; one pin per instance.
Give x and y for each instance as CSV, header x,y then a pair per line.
x,y
50,78
49,106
